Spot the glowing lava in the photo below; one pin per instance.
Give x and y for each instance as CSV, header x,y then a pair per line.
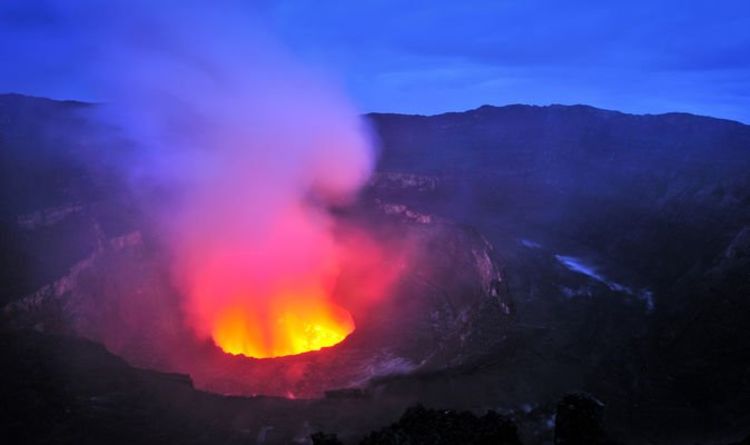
x,y
289,325
268,292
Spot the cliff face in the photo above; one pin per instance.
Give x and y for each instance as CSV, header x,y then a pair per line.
x,y
682,181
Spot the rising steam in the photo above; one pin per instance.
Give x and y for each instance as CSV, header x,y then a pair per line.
x,y
248,149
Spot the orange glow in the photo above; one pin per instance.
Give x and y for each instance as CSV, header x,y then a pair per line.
x,y
270,295
292,325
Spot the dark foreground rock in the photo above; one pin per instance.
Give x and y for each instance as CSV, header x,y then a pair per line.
x,y
420,425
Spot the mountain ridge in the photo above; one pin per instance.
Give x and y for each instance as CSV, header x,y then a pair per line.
x,y
556,106
481,108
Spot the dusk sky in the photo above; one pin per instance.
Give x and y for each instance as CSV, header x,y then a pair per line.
x,y
427,57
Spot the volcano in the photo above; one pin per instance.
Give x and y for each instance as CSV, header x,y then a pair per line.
x,y
478,275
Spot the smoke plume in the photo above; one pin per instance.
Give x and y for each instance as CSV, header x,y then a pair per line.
x,y
240,150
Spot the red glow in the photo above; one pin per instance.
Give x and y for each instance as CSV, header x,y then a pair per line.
x,y
272,298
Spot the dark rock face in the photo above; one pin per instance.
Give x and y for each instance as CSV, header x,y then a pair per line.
x,y
422,426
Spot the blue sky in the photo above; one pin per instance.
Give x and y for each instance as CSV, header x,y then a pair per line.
x,y
433,56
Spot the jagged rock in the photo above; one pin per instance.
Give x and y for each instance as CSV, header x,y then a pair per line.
x,y
422,426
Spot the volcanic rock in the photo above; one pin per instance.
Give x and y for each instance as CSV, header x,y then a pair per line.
x,y
422,426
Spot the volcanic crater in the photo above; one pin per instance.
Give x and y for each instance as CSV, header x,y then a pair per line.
x,y
436,281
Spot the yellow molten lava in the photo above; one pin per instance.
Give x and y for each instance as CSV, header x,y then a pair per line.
x,y
288,326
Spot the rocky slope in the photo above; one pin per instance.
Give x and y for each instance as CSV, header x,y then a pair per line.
x,y
623,238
